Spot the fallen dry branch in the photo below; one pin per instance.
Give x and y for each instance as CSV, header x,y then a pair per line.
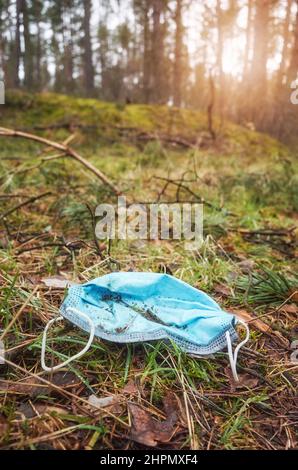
x,y
68,151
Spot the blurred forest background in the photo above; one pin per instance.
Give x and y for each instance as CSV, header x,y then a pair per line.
x,y
235,58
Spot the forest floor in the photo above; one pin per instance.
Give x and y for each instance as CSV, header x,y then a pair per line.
x,y
158,395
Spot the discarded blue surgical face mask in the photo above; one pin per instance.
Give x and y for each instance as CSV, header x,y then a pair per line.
x,y
127,307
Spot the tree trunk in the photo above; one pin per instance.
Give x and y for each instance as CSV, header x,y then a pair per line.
x,y
258,76
39,54
68,67
103,39
247,40
178,65
157,53
293,68
220,49
68,45
28,53
286,39
146,57
17,46
87,55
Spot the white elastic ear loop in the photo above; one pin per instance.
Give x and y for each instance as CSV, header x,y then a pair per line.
x,y
233,356
75,356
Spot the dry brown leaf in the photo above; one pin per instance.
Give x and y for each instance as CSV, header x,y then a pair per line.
x,y
252,320
130,388
148,431
245,380
222,290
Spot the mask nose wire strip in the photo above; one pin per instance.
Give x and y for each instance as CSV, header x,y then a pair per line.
x,y
75,356
233,356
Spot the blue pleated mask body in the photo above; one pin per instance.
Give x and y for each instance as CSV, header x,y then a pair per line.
x,y
129,307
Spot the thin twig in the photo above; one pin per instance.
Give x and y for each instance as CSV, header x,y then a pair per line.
x,y
98,249
24,203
